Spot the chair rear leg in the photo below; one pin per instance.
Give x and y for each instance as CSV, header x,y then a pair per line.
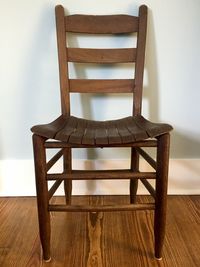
x,y
134,182
67,161
42,195
161,193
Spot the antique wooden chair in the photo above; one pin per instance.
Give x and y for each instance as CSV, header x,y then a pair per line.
x,y
71,132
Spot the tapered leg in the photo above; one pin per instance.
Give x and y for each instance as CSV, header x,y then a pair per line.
x,y
67,161
42,194
161,193
134,182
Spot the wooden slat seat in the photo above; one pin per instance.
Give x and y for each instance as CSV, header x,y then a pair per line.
x,y
75,130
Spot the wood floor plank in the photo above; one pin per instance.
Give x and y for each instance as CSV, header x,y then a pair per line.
x,y
110,239
18,232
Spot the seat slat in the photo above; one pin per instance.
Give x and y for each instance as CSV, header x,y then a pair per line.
x,y
67,130
113,133
152,129
77,135
89,135
101,135
126,135
101,86
101,24
101,56
138,132
49,130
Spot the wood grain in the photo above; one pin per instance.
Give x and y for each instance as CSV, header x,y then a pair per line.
x,y
101,56
109,239
144,143
62,55
94,234
101,24
139,66
42,194
105,208
101,86
101,174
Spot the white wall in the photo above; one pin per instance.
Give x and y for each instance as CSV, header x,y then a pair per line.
x,y
30,87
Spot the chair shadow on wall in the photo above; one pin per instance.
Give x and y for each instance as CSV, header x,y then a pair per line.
x,y
182,146
150,94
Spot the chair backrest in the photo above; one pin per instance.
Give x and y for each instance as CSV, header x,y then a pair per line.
x,y
109,24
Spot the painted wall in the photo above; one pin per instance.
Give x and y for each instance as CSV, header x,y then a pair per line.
x,y
29,73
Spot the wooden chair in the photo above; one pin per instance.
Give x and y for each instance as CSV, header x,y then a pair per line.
x,y
71,132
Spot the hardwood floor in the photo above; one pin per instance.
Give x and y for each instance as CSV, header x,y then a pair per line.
x,y
112,239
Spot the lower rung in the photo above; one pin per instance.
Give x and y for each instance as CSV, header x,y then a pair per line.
x,y
127,207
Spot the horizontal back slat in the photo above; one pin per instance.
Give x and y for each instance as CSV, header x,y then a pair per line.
x,y
101,24
101,86
86,55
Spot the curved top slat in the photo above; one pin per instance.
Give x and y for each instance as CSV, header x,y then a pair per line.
x,y
111,24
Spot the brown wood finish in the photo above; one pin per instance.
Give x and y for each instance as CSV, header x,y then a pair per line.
x,y
111,239
139,66
101,24
70,132
67,167
62,55
149,187
42,194
101,56
101,86
105,208
54,159
161,193
145,143
105,175
148,158
122,131
54,187
135,168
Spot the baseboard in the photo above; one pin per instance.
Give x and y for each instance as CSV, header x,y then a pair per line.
x,y
17,177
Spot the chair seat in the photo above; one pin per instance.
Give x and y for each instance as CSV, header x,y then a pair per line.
x,y
75,130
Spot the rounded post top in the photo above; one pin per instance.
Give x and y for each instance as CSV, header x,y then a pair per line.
x,y
143,10
59,8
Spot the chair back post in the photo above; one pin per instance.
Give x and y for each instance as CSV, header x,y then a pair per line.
x,y
62,59
140,57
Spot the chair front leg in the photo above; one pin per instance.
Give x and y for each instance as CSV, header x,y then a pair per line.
x,y
67,165
134,182
161,193
42,194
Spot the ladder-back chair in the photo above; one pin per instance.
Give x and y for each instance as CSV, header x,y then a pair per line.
x,y
70,132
